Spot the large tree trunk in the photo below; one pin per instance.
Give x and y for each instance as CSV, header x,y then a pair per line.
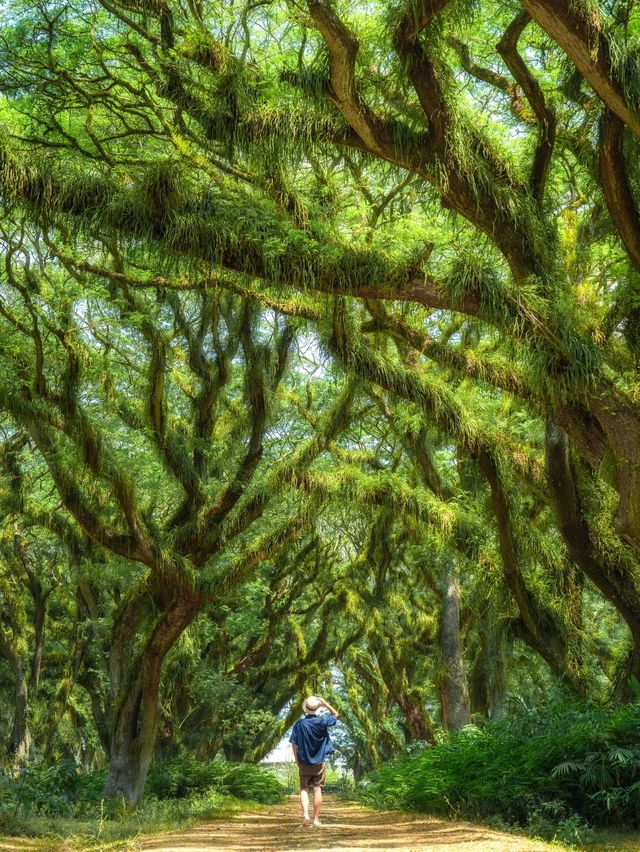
x,y
131,747
454,692
40,603
20,742
20,739
136,691
488,682
497,666
416,718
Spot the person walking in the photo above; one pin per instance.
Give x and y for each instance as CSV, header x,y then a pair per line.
x,y
311,747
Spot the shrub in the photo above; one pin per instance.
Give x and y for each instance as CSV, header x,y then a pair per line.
x,y
573,764
110,828
63,790
58,790
185,776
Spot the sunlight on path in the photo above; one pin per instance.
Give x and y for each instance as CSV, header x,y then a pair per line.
x,y
346,827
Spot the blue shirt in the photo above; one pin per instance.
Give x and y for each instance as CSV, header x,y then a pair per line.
x,y
311,735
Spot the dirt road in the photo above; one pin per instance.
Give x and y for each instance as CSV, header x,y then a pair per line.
x,y
347,828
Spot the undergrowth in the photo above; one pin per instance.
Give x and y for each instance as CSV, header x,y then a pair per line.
x,y
61,801
556,773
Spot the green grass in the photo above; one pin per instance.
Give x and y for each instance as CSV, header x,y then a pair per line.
x,y
101,832
613,841
184,776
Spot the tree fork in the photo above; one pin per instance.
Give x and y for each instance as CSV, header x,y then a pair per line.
x,y
134,729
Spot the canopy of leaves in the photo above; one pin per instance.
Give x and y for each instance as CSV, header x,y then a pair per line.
x,y
318,369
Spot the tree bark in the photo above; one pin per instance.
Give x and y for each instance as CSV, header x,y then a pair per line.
x,y
136,693
20,738
20,742
454,689
616,186
497,677
40,604
416,719
409,702
538,626
40,597
488,683
613,577
577,30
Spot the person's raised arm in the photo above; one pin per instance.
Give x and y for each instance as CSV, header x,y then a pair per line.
x,y
331,709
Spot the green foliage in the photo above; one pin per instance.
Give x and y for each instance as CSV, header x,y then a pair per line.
x,y
59,790
182,787
259,347
562,763
185,776
101,828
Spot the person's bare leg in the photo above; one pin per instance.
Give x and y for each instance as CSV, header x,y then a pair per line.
x,y
304,801
317,804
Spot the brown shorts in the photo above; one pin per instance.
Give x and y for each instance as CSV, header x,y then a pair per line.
x,y
312,775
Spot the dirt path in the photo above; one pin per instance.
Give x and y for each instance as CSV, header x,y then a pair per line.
x,y
346,827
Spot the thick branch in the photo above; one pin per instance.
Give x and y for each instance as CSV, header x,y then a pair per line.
x,y
576,28
540,626
466,363
546,117
421,69
343,49
440,406
616,186
612,577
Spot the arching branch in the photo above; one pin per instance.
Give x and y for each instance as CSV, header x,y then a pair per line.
x,y
545,115
343,49
616,185
575,26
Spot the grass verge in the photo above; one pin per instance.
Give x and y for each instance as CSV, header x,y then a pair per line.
x,y
116,831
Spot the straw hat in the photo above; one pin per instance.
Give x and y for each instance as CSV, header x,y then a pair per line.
x,y
311,705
